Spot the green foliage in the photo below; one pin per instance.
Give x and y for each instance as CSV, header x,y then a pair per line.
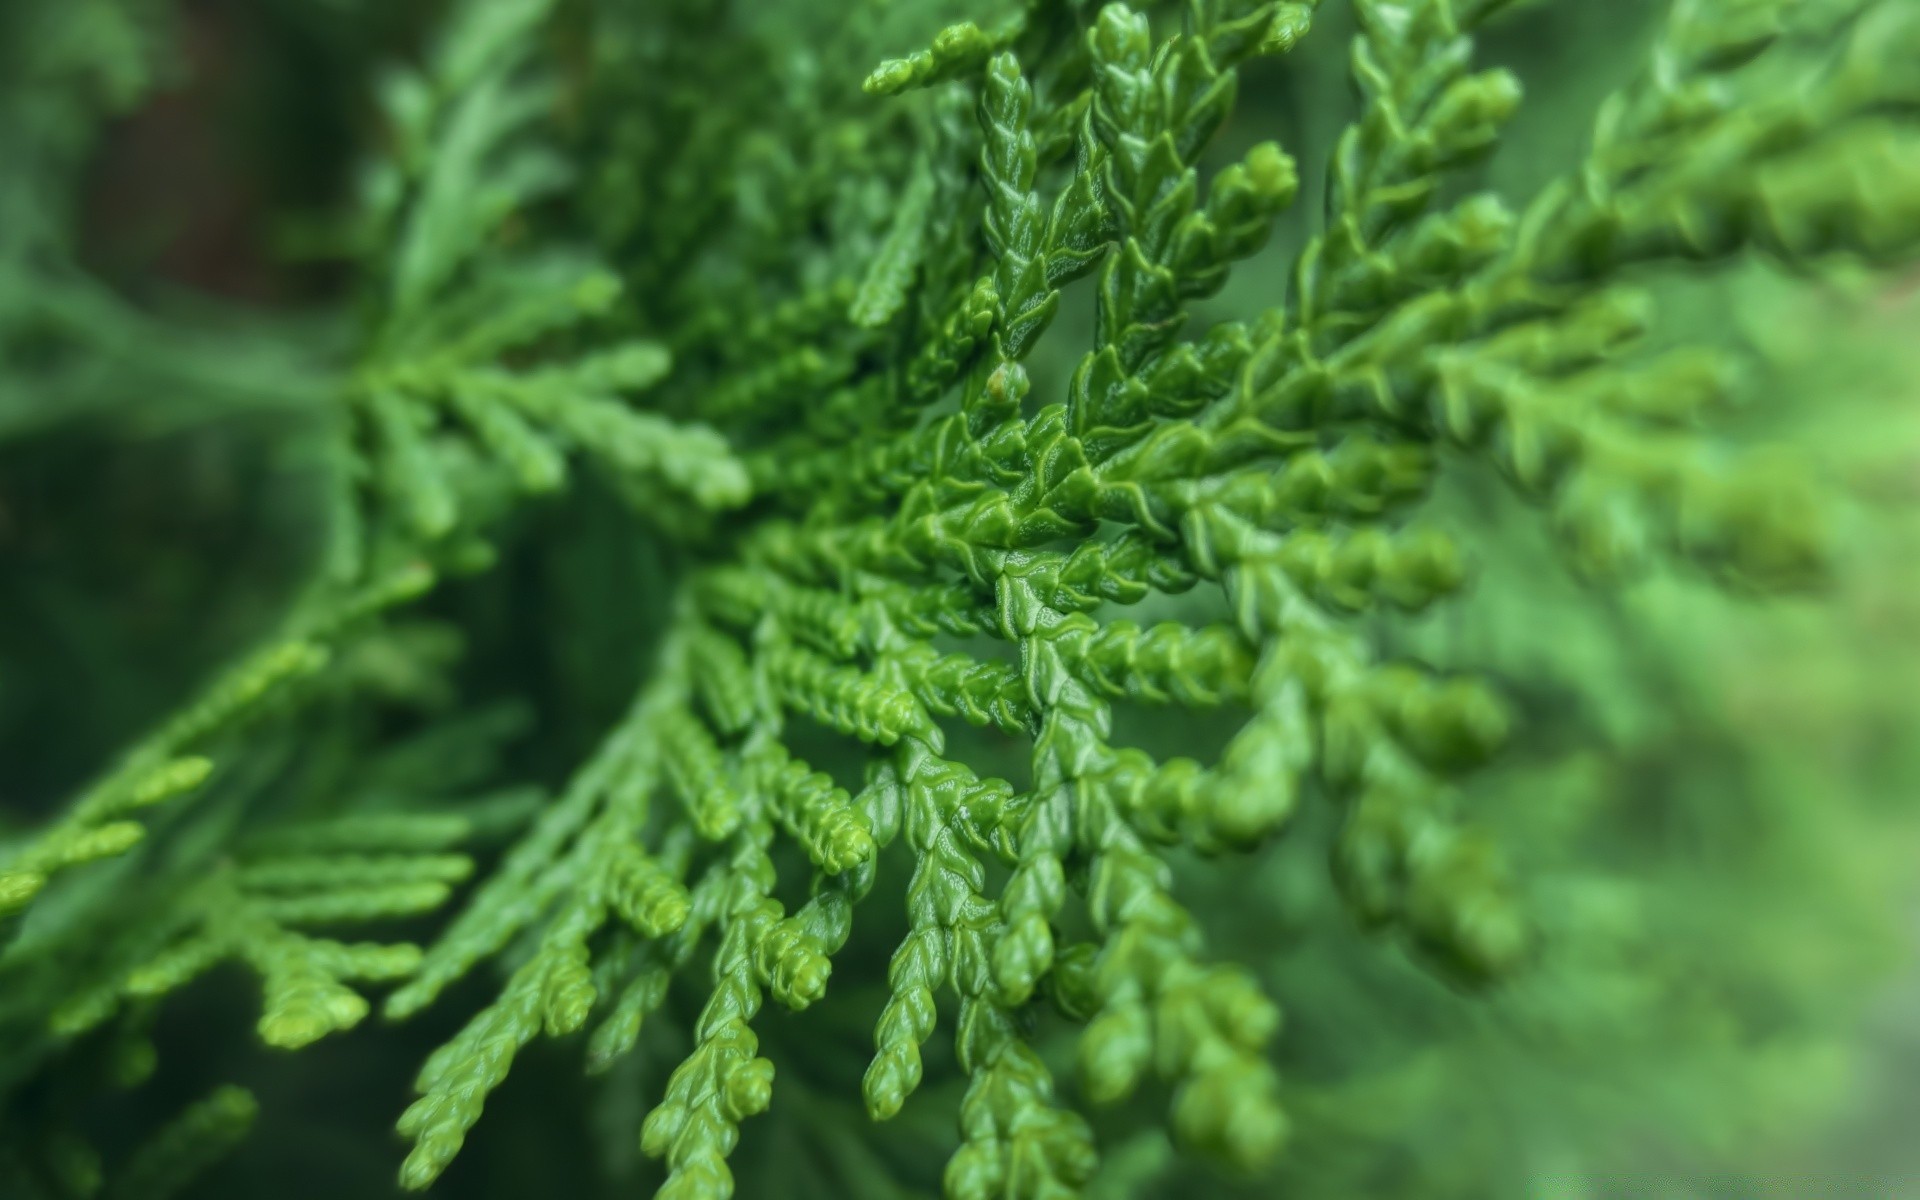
x,y
159,1169
910,390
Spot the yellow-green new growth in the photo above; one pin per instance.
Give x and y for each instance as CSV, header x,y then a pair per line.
x,y
256,911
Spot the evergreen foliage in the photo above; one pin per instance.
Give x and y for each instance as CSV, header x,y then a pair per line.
x,y
1068,622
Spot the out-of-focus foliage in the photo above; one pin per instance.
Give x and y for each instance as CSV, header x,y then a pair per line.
x,y
1038,537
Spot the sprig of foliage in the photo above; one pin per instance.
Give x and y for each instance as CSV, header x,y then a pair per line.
x,y
161,1168
1276,461
823,338
100,823
254,910
431,388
